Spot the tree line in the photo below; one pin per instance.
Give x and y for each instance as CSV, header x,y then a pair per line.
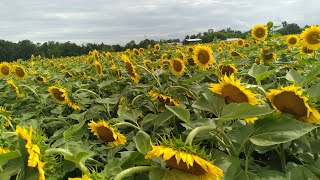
x,y
10,51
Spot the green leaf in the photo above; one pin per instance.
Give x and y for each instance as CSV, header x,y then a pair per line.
x,y
260,72
181,113
229,164
162,118
294,76
198,77
78,117
173,174
143,142
295,171
73,129
107,100
271,175
9,155
243,110
209,102
131,115
277,129
11,168
314,92
312,74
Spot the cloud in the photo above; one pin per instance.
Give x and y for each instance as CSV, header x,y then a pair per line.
x,y
114,22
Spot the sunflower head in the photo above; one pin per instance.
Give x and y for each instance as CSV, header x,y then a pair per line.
x,y
132,72
59,94
146,64
107,133
5,69
99,68
306,50
290,100
177,66
240,42
232,91
136,52
310,37
259,32
166,99
234,53
20,72
15,88
292,40
246,45
156,47
226,69
190,159
203,56
220,50
141,51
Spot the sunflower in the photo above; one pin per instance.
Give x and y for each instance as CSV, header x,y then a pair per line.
x,y
269,24
186,158
99,68
156,47
227,69
141,51
4,69
59,94
190,49
136,52
292,40
290,100
246,45
202,55
233,92
305,50
107,133
3,150
20,72
240,42
177,66
6,114
166,99
68,74
191,61
234,53
259,32
146,63
132,72
164,56
41,79
311,37
269,57
84,177
220,50
15,88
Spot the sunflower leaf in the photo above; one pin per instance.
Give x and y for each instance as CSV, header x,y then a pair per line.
x,y
277,129
9,155
259,72
73,129
143,142
312,74
294,76
210,102
181,113
243,110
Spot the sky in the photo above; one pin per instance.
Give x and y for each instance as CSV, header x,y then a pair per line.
x,y
120,21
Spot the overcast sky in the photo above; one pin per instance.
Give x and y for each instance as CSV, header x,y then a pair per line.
x,y
119,21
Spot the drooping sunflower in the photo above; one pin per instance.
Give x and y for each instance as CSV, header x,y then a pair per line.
x,y
177,66
305,50
107,133
5,69
20,72
131,71
310,37
15,88
225,69
233,92
187,158
259,32
203,57
146,64
99,68
292,40
59,94
166,99
290,100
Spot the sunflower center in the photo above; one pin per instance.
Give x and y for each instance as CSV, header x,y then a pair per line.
x,y
195,169
313,38
234,53
292,41
307,50
129,69
40,79
268,57
191,62
233,94
5,70
226,70
289,102
240,43
20,72
58,95
260,32
105,134
177,66
203,57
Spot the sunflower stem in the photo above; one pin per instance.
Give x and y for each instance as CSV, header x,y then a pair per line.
x,y
282,158
151,74
133,170
87,91
127,124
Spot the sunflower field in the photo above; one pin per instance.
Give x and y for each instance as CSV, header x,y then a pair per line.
x,y
243,109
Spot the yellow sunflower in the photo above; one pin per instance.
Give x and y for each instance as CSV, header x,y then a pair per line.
x,y
163,98
203,57
310,37
99,68
269,57
15,88
225,69
107,133
187,161
233,92
20,72
141,51
220,50
292,40
177,66
305,50
240,42
132,72
259,32
156,47
246,45
84,177
59,94
3,150
290,100
191,61
136,52
5,69
6,114
234,53
146,63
